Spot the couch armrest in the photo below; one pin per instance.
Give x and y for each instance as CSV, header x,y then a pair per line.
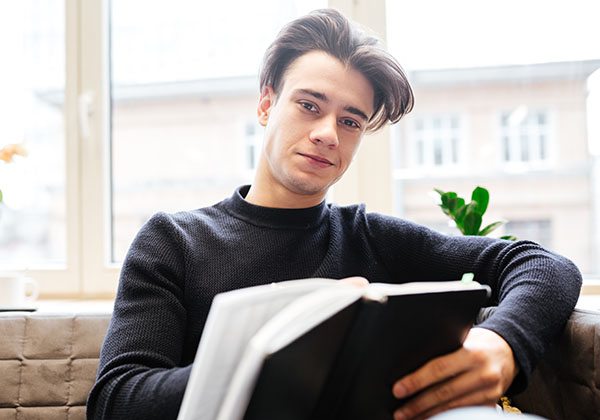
x,y
566,382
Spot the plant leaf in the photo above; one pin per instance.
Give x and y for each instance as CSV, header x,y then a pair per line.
x,y
445,197
0,196
509,237
472,221
459,216
454,203
482,197
490,228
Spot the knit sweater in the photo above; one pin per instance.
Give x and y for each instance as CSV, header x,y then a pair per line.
x,y
179,262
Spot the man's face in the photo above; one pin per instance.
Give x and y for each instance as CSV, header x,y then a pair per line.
x,y
314,125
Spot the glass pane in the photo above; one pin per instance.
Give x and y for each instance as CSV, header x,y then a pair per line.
x,y
524,147
32,80
498,80
184,92
438,152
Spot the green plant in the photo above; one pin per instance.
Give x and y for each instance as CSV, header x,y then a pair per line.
x,y
469,217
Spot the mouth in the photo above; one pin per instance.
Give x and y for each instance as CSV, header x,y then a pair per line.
x,y
321,161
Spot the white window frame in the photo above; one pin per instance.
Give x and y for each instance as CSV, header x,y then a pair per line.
x,y
99,276
87,271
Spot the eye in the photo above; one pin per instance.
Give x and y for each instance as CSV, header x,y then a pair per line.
x,y
309,106
348,122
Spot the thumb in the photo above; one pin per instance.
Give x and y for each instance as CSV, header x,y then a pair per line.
x,y
355,281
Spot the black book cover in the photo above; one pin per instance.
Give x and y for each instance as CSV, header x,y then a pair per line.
x,y
345,367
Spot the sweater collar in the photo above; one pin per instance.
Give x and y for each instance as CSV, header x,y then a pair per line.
x,y
274,217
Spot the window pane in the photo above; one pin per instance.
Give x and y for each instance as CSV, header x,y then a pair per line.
x,y
32,76
539,231
438,135
524,106
184,91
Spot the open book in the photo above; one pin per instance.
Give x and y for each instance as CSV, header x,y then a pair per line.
x,y
318,348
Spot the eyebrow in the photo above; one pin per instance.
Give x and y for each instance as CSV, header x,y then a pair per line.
x,y
321,96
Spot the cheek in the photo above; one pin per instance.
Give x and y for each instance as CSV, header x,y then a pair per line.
x,y
274,141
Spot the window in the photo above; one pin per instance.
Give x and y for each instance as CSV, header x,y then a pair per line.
x,y
436,140
525,136
539,231
33,214
183,89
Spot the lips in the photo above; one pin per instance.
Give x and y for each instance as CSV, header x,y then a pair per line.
x,y
319,160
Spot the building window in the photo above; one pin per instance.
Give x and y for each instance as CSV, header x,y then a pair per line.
x,y
524,135
436,140
539,231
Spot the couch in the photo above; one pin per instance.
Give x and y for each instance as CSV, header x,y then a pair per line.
x,y
48,364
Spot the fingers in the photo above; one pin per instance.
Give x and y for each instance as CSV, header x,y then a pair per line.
x,y
476,374
355,281
434,371
468,388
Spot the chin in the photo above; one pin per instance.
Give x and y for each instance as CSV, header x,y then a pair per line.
x,y
304,187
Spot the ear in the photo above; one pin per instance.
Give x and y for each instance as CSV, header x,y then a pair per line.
x,y
266,101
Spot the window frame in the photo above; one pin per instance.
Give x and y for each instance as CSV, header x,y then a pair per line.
x,y
86,272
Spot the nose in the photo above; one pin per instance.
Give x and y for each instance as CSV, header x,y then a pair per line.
x,y
325,132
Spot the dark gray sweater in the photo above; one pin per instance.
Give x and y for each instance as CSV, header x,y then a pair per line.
x,y
177,264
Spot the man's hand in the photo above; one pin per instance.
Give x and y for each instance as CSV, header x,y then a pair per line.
x,y
477,374
355,281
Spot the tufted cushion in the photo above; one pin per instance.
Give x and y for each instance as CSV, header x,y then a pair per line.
x,y
48,364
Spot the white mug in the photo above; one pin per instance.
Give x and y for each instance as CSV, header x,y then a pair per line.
x,y
17,291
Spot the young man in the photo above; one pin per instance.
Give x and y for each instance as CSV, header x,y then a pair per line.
x,y
324,84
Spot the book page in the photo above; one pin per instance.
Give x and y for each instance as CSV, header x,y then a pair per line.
x,y
378,290
233,320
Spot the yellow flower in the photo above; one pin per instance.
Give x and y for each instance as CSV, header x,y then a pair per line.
x,y
8,152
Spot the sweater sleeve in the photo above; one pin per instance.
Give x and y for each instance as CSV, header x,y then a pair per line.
x,y
535,289
139,375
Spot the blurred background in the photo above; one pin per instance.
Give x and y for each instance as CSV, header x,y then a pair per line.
x,y
131,107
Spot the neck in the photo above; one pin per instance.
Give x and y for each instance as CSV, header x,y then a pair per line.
x,y
281,198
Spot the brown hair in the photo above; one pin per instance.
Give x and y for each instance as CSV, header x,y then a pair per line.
x,y
329,31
